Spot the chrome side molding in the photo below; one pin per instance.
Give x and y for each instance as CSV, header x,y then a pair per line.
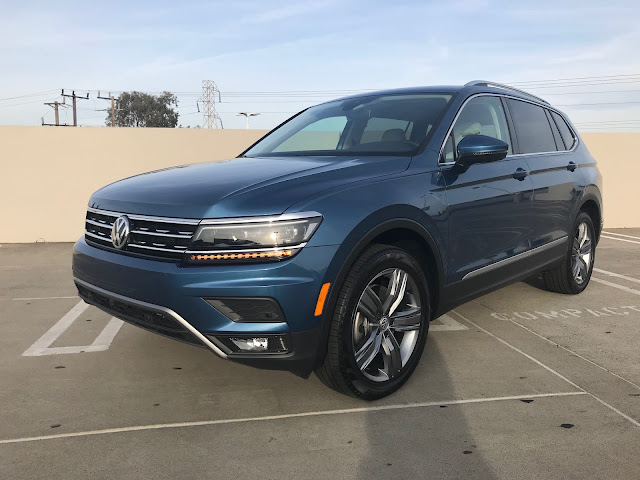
x,y
515,258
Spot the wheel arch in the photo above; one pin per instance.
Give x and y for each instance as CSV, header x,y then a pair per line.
x,y
590,204
403,227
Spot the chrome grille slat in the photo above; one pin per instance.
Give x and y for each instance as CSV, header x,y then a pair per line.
x,y
147,232
161,237
99,224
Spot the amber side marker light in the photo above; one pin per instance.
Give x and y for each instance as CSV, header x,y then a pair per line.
x,y
321,299
243,256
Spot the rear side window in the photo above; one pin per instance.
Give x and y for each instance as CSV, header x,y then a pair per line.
x,y
566,133
532,127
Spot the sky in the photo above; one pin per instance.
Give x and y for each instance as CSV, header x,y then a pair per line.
x,y
296,54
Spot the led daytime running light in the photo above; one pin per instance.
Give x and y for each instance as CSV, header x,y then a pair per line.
x,y
241,256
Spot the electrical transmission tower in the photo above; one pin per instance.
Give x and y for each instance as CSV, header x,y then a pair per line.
x,y
209,93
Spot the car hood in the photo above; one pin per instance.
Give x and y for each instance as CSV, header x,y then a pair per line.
x,y
239,187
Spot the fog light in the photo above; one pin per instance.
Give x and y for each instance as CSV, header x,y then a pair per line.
x,y
241,344
256,344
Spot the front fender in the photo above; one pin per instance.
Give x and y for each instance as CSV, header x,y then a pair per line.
x,y
413,202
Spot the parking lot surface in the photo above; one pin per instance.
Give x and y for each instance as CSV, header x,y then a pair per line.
x,y
521,383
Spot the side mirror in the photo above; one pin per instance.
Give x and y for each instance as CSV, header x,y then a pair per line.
x,y
480,149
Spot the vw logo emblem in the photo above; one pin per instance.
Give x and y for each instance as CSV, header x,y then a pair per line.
x,y
120,232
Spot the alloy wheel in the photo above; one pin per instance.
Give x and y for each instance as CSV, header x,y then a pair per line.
x,y
386,324
582,254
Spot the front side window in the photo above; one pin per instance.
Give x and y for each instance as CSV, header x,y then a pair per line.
x,y
368,125
532,127
480,116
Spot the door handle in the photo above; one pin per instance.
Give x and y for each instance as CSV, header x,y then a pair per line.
x,y
572,166
520,174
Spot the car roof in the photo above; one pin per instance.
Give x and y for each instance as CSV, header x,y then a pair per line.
x,y
477,86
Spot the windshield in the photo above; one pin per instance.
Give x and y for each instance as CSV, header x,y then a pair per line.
x,y
370,125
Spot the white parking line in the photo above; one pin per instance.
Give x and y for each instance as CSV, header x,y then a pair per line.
x,y
617,275
615,285
621,235
42,346
572,352
345,411
619,239
42,298
448,324
551,370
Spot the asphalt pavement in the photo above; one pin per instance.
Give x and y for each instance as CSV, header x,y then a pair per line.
x,y
521,383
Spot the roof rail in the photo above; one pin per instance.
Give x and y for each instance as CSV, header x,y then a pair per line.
x,y
487,83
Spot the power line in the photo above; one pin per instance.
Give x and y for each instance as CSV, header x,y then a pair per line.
x,y
38,94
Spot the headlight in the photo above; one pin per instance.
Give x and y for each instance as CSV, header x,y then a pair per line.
x,y
252,239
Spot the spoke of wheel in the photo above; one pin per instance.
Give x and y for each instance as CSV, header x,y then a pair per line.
x,y
584,268
576,267
366,354
406,321
397,287
582,234
586,247
391,355
370,304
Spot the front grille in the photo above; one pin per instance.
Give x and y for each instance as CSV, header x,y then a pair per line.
x,y
149,319
159,237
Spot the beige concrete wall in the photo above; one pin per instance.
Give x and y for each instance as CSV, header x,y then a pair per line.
x,y
48,174
617,157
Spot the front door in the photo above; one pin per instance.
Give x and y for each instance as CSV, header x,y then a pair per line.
x,y
489,205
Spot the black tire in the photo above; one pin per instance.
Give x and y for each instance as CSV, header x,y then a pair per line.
x,y
339,370
562,279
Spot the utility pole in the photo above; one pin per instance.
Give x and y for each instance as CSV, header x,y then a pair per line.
x,y
209,92
55,106
113,107
73,96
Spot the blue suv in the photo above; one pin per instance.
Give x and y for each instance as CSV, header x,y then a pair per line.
x,y
331,243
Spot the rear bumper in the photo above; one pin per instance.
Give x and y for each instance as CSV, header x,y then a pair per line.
x,y
168,298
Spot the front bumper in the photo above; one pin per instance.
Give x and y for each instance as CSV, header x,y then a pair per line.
x,y
168,298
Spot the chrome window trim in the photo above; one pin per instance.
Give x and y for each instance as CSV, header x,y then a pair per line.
x,y
148,218
260,219
513,155
246,250
151,306
514,258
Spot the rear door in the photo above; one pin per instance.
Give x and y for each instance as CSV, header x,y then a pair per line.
x,y
546,148
489,204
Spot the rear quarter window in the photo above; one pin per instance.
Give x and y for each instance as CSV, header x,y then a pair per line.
x,y
567,135
532,127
